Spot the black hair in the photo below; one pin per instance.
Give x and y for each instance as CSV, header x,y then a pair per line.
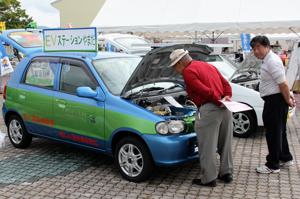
x,y
261,39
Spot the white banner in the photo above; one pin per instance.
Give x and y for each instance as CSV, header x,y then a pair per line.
x,y
5,66
70,40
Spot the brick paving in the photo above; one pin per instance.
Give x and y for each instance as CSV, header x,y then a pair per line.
x,y
48,169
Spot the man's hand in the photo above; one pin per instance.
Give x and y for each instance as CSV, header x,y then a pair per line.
x,y
226,98
292,101
287,95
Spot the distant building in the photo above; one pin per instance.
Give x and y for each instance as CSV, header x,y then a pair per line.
x,y
77,13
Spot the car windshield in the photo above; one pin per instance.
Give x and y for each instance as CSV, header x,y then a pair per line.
x,y
212,58
115,72
226,67
27,39
132,42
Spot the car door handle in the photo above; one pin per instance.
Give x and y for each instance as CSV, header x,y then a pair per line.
x,y
61,103
92,119
22,96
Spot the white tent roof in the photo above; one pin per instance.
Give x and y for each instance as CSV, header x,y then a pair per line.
x,y
205,16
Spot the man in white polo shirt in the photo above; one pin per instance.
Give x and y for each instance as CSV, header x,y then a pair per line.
x,y
275,92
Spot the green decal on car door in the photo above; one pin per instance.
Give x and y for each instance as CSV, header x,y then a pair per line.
x,y
34,95
74,114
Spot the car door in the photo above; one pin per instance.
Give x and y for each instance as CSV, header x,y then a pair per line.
x,y
78,119
35,95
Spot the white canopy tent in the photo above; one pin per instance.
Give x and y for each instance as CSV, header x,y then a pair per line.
x,y
199,16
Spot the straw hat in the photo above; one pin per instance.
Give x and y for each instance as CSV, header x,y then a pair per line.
x,y
176,55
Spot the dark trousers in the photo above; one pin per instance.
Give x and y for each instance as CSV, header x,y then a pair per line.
x,y
274,118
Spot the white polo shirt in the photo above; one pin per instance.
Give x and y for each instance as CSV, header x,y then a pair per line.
x,y
272,73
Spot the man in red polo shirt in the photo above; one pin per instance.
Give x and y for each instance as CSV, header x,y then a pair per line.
x,y
206,87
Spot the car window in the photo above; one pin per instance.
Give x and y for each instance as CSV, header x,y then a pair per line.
x,y
72,77
115,72
204,57
27,39
41,73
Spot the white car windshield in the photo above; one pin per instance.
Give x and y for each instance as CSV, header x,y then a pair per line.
x,y
225,67
115,72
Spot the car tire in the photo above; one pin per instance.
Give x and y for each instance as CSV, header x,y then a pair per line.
x,y
244,124
17,132
133,159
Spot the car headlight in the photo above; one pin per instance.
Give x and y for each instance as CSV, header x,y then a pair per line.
x,y
172,126
176,126
162,128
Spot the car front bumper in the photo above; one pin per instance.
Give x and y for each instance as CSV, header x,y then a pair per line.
x,y
172,149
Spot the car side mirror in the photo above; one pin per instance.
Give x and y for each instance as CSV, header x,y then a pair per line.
x,y
87,92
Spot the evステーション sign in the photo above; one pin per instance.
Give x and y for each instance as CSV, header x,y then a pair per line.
x,y
70,40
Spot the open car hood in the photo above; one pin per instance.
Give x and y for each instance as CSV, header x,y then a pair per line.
x,y
250,63
154,67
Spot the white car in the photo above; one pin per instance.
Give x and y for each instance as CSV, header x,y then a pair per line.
x,y
126,43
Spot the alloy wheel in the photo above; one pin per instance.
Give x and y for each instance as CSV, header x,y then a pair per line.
x,y
131,160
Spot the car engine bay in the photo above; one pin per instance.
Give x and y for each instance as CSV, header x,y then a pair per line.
x,y
171,106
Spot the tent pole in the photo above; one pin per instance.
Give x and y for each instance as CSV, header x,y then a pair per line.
x,y
196,36
219,35
208,36
213,39
291,29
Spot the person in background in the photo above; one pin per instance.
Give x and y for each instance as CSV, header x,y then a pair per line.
x,y
275,92
213,125
284,57
296,85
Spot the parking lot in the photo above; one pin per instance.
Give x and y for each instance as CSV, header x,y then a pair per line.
x,y
48,169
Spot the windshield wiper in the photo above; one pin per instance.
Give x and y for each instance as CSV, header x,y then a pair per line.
x,y
170,88
140,92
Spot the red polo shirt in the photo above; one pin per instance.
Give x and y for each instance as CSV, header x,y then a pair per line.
x,y
204,83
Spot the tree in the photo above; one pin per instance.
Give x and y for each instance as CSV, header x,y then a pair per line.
x,y
13,15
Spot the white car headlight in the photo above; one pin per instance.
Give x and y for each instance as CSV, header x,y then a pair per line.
x,y
173,126
162,128
176,126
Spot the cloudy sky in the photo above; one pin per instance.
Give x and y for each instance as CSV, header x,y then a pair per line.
x,y
42,12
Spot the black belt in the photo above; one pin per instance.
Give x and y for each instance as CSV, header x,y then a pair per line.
x,y
269,97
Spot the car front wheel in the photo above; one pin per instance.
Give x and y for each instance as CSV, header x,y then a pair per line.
x,y
133,159
17,133
244,124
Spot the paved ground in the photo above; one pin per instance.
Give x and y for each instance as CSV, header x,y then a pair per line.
x,y
52,170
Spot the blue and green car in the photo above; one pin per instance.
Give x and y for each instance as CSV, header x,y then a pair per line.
x,y
131,108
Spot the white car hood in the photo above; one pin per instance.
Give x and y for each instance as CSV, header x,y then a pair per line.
x,y
246,95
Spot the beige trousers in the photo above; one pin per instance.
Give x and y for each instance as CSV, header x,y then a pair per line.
x,y
214,130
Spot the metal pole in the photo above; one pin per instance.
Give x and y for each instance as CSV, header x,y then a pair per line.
x,y
196,36
291,29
